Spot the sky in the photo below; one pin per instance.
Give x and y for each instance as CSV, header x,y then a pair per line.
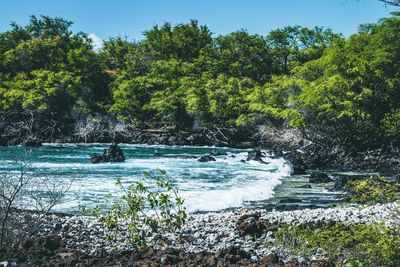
x,y
103,19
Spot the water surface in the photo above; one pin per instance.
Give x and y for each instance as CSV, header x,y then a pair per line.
x,y
226,183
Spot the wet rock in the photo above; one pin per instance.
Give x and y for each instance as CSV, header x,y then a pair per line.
x,y
256,155
32,142
319,177
306,186
157,154
297,163
112,154
206,158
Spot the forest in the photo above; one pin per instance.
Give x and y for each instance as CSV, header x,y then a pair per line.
x,y
181,77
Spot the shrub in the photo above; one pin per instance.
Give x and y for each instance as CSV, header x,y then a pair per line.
x,y
143,210
348,245
375,189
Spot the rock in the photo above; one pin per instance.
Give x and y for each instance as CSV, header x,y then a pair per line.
x,y
32,142
293,262
157,154
251,225
57,227
269,259
112,154
206,158
256,155
307,186
319,177
297,163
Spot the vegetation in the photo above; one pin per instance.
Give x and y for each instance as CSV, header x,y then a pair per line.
x,y
347,244
336,90
373,190
141,210
21,189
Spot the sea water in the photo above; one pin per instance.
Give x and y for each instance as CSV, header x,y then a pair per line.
x,y
228,182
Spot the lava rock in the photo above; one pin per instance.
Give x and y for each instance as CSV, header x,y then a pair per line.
x,y
112,154
269,259
297,163
206,158
319,177
32,142
256,155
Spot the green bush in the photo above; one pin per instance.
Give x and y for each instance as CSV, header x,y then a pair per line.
x,y
346,244
375,189
143,210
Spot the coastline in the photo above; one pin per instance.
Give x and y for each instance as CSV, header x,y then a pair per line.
x,y
235,238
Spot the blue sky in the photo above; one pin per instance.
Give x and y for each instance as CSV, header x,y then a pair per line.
x,y
106,18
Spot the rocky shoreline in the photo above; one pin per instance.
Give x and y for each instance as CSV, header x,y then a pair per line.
x,y
228,238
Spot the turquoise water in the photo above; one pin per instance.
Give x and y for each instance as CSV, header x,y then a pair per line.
x,y
226,183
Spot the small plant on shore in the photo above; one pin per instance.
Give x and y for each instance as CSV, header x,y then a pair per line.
x,y
142,210
346,244
373,190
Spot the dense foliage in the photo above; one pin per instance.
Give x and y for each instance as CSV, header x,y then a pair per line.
x,y
181,76
373,190
347,244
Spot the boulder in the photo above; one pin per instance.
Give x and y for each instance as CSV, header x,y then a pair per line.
x,y
319,177
113,154
206,158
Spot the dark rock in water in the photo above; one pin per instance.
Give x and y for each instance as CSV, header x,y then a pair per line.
x,y
304,186
112,154
296,162
217,153
206,158
256,155
319,177
157,154
32,142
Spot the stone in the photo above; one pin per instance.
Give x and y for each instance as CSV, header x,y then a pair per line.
x,y
206,158
32,142
112,154
269,259
306,186
319,177
256,155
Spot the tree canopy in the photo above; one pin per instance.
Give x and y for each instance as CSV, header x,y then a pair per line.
x,y
182,76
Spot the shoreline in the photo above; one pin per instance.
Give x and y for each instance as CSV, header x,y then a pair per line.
x,y
241,232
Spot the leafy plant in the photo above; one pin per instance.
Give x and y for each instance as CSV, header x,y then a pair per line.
x,y
373,190
141,209
347,244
